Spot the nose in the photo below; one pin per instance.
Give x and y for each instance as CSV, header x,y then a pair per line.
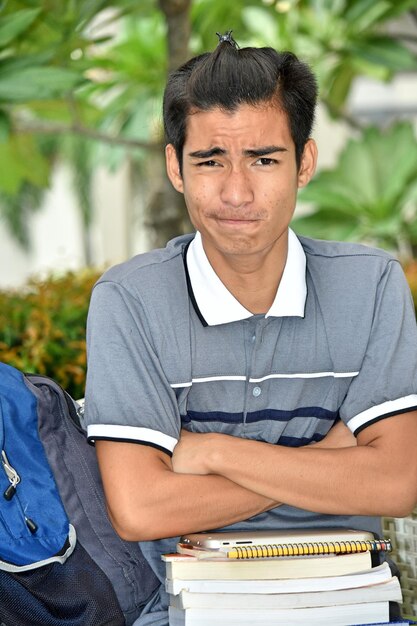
x,y
236,189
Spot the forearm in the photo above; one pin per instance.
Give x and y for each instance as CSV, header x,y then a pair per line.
x,y
167,504
332,481
309,478
191,503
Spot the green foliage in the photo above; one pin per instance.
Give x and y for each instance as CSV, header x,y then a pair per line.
x,y
35,62
77,68
341,39
13,25
410,270
131,76
17,210
34,83
97,69
42,328
371,193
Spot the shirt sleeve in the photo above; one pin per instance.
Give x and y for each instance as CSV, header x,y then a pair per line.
x,y
128,397
387,381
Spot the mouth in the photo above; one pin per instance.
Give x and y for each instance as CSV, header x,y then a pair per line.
x,y
233,223
235,220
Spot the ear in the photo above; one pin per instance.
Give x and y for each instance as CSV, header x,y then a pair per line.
x,y
308,163
173,168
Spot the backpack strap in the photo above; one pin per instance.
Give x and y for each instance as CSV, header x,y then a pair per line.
x,y
74,464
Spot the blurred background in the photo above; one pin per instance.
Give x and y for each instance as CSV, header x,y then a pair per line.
x,y
82,176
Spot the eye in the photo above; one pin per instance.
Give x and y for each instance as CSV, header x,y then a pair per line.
x,y
207,164
265,161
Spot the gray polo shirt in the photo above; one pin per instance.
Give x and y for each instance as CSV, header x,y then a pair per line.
x,y
170,347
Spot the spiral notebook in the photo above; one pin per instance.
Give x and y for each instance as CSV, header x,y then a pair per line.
x,y
259,544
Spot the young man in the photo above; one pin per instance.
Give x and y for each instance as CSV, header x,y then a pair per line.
x,y
243,377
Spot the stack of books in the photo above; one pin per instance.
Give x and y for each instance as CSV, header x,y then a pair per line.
x,y
323,577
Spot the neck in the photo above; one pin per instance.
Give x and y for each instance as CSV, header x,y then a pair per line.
x,y
253,279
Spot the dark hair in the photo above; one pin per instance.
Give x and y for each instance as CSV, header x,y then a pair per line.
x,y
230,76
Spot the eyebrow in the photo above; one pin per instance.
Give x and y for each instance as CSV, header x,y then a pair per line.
x,y
258,152
207,154
250,152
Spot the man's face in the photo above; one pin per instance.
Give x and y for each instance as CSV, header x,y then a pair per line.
x,y
240,178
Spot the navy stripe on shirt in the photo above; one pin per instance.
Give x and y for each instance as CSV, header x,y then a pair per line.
x,y
259,416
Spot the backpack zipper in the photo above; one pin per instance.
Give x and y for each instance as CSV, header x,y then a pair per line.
x,y
12,475
8,494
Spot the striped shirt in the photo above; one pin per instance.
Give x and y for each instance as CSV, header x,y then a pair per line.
x,y
170,347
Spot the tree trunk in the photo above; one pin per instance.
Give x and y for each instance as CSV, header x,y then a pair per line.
x,y
177,16
167,216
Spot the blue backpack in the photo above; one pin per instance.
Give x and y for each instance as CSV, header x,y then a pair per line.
x,y
60,559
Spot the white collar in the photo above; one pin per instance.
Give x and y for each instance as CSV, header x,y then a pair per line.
x,y
216,305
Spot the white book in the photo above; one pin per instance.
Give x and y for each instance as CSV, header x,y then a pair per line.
x,y
184,566
341,615
389,590
371,576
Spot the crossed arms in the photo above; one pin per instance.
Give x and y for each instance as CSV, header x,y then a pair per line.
x,y
214,480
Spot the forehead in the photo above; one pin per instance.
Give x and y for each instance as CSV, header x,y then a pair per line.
x,y
246,126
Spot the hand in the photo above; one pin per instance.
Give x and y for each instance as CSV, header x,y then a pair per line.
x,y
339,436
188,456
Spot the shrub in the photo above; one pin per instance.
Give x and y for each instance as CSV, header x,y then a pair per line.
x,y
42,328
411,273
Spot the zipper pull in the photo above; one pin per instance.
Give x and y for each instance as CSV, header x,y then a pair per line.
x,y
9,492
33,527
12,475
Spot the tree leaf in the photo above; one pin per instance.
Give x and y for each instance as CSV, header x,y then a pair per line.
x,y
11,170
36,83
365,13
261,23
330,192
13,25
326,224
386,52
15,63
371,185
340,83
22,161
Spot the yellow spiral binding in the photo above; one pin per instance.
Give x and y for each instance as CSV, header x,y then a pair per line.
x,y
308,549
